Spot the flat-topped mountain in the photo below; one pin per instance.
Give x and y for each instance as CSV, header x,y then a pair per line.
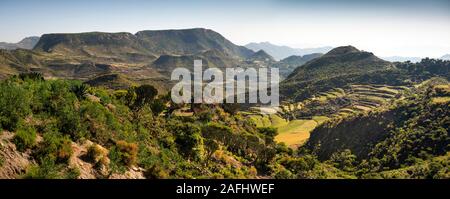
x,y
55,42
189,41
124,47
142,46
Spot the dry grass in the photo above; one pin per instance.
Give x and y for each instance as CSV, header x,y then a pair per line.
x,y
362,108
320,119
440,100
277,121
296,132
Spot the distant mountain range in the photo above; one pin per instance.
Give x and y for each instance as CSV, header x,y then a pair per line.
x,y
145,57
289,64
151,55
411,59
261,56
402,59
446,57
142,46
26,43
281,52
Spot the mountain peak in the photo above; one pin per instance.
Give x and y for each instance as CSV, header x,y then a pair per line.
x,y
26,43
339,61
262,52
261,55
342,50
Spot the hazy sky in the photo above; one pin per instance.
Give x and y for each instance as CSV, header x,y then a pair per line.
x,y
385,27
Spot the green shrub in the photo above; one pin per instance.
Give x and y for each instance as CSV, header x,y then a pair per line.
x,y
188,139
344,160
80,90
64,105
100,122
35,76
269,133
124,153
205,115
25,138
157,107
56,146
299,164
145,94
97,154
156,172
72,173
120,95
231,108
284,174
2,160
47,169
116,163
14,105
70,123
101,93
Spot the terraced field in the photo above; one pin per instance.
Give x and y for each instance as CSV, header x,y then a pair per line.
x,y
332,94
360,98
443,94
261,120
368,97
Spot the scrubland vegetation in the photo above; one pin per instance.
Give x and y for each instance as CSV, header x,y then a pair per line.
x,y
137,128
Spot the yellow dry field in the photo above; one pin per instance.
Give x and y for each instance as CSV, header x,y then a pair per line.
x,y
296,132
440,100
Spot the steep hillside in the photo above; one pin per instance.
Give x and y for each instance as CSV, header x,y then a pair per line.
x,y
115,81
165,64
416,124
16,61
356,95
189,41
